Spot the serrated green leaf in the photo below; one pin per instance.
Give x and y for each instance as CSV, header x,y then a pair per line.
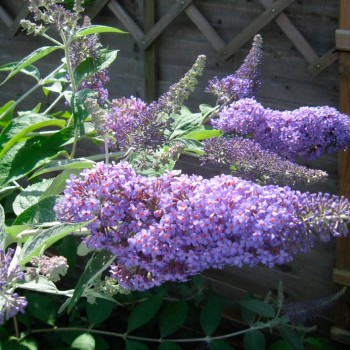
x,y
30,70
169,345
254,340
20,127
27,156
220,345
91,66
31,58
135,345
99,311
210,315
95,29
39,213
80,113
259,307
145,311
205,108
99,262
84,341
5,191
202,134
292,337
71,164
30,195
2,229
46,238
172,317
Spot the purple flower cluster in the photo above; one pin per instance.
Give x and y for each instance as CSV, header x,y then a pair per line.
x,y
171,227
10,303
135,124
306,132
252,162
83,48
244,82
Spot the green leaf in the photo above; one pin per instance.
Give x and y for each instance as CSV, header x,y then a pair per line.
x,y
169,345
99,262
259,307
91,66
2,228
6,113
280,345
31,58
27,156
254,340
71,164
84,341
202,134
20,127
80,113
210,315
99,311
5,191
39,213
42,308
42,284
95,29
46,238
30,70
220,345
292,337
145,311
135,345
59,183
30,195
172,317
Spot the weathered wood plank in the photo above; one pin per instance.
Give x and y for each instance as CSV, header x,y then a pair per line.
x,y
5,17
96,8
293,33
160,26
324,61
16,24
126,20
341,277
205,27
150,55
252,28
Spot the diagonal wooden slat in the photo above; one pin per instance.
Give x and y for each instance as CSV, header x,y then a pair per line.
x,y
324,61
253,28
16,25
5,17
205,27
96,8
293,34
166,19
126,20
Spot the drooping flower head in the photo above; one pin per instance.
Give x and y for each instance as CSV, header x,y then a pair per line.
x,y
171,227
306,132
244,82
253,162
10,302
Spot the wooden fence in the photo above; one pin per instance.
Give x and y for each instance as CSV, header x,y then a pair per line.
x,y
165,37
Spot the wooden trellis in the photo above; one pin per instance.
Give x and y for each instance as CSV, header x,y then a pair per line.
x,y
146,37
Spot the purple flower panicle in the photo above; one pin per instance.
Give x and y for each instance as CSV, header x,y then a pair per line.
x,y
10,303
254,163
306,132
171,227
244,82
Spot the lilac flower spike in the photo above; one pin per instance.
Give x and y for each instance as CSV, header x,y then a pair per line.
x,y
10,303
306,132
244,82
171,227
